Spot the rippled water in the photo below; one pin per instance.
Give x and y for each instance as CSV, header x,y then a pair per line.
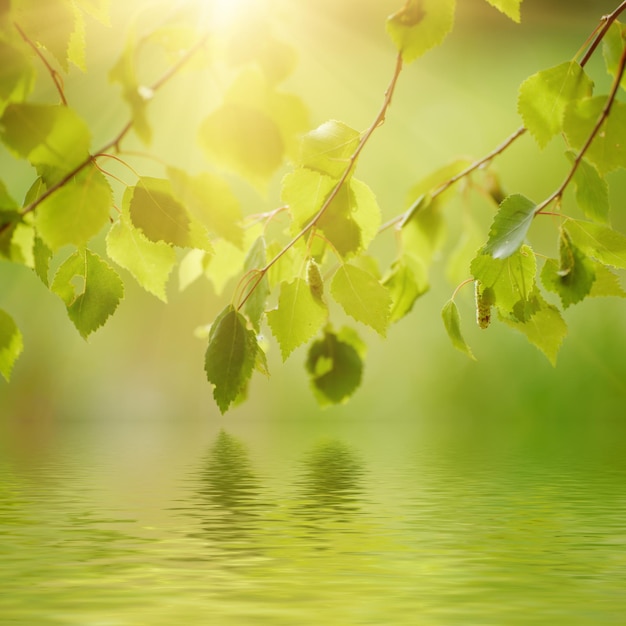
x,y
363,524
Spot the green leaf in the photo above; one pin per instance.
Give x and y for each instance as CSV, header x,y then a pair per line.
x,y
211,201
544,97
99,9
613,47
510,226
50,23
150,263
17,75
230,357
41,256
511,8
335,367
509,280
329,148
606,283
592,190
96,296
420,25
452,323
76,52
245,140
255,261
362,297
136,96
227,262
155,211
599,242
608,149
404,287
53,138
304,192
572,278
424,230
77,211
544,326
299,316
11,344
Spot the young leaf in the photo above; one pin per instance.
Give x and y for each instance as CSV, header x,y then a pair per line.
x,y
420,25
613,46
328,148
101,289
362,297
211,201
298,317
509,280
544,96
452,323
510,226
511,8
41,257
606,283
11,344
572,279
608,149
77,211
544,326
404,288
53,138
304,192
230,356
335,366
149,262
155,211
592,190
599,242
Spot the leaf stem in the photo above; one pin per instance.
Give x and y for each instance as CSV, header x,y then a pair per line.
x,y
378,121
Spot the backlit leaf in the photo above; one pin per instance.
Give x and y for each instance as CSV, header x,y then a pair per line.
x,y
155,211
452,323
420,25
304,192
335,367
230,357
599,242
53,138
544,326
608,149
606,283
100,9
328,148
149,262
544,96
509,280
592,190
613,45
41,257
510,226
77,211
299,316
211,201
255,303
511,8
11,344
90,288
362,297
404,288
17,75
50,23
424,230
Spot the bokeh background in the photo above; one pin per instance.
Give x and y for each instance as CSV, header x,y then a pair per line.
x,y
459,100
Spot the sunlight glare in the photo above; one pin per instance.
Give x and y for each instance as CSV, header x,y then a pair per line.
x,y
226,12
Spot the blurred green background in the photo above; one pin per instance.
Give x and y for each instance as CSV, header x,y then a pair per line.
x,y
459,100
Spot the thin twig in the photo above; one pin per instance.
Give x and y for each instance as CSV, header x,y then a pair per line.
x,y
378,121
56,77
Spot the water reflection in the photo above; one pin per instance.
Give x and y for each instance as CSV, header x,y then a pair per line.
x,y
226,495
330,484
